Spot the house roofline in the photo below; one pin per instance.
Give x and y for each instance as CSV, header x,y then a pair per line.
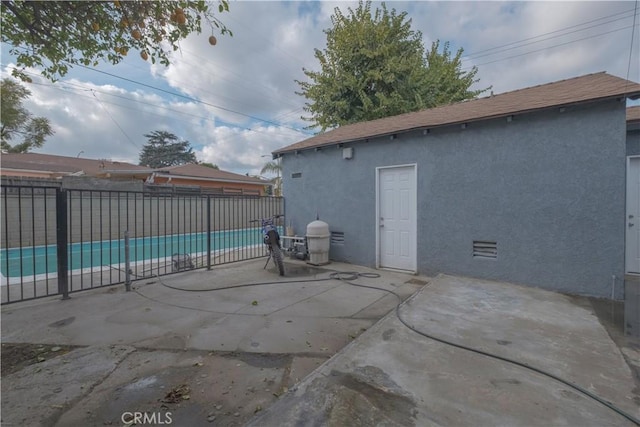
x,y
287,150
199,178
37,171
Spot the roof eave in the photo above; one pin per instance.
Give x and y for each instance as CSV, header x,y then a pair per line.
x,y
200,178
34,170
633,95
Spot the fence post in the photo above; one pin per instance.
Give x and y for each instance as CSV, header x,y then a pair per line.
x,y
127,264
62,243
208,232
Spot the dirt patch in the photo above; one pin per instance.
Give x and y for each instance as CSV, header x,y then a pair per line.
x,y
19,355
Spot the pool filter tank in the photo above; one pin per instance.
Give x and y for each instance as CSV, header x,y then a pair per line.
x,y
318,239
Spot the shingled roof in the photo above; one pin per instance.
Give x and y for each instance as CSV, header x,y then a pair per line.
x,y
66,165
633,114
199,171
588,88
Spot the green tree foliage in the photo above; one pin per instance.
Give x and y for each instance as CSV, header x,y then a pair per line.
x,y
274,167
375,66
209,165
165,149
20,131
55,35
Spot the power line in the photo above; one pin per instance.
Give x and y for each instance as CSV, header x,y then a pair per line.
x,y
633,32
246,81
114,120
191,99
85,89
476,54
550,47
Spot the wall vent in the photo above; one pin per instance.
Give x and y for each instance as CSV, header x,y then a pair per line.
x,y
296,175
337,238
485,249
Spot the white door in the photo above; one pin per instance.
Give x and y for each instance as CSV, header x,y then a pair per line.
x,y
633,215
397,217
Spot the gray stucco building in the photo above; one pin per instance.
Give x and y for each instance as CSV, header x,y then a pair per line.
x,y
528,187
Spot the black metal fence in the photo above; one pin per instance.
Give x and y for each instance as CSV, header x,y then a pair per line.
x,y
56,241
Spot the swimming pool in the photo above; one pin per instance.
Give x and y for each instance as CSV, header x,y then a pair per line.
x,y
42,260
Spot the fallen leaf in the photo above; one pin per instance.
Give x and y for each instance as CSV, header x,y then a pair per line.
x,y
177,394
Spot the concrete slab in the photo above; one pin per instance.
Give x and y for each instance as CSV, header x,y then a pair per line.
x,y
237,350
393,376
47,388
244,352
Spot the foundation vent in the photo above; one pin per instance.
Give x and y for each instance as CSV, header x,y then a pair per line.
x,y
296,175
485,249
337,238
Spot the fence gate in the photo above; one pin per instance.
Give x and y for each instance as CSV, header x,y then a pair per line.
x,y
56,241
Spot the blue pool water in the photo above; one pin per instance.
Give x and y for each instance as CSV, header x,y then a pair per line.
x,y
37,260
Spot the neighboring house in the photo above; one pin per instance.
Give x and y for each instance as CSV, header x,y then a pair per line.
x,y
76,172
34,165
526,186
210,180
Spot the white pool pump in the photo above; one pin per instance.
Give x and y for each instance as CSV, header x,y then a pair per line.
x,y
318,241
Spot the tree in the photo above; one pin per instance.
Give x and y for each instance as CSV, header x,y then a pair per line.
x,y
209,165
19,126
165,149
55,35
375,66
274,167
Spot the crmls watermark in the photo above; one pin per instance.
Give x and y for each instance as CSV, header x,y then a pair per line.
x,y
141,418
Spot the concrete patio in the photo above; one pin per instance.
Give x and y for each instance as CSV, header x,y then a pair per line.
x,y
263,354
237,349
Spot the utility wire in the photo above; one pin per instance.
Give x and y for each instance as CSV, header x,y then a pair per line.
x,y
247,85
191,99
114,120
633,32
74,86
477,54
550,47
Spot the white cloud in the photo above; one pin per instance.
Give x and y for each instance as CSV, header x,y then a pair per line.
x,y
245,151
254,73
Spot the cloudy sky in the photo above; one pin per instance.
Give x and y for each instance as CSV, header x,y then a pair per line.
x,y
236,102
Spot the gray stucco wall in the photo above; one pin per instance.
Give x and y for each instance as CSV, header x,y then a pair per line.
x,y
548,187
633,142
